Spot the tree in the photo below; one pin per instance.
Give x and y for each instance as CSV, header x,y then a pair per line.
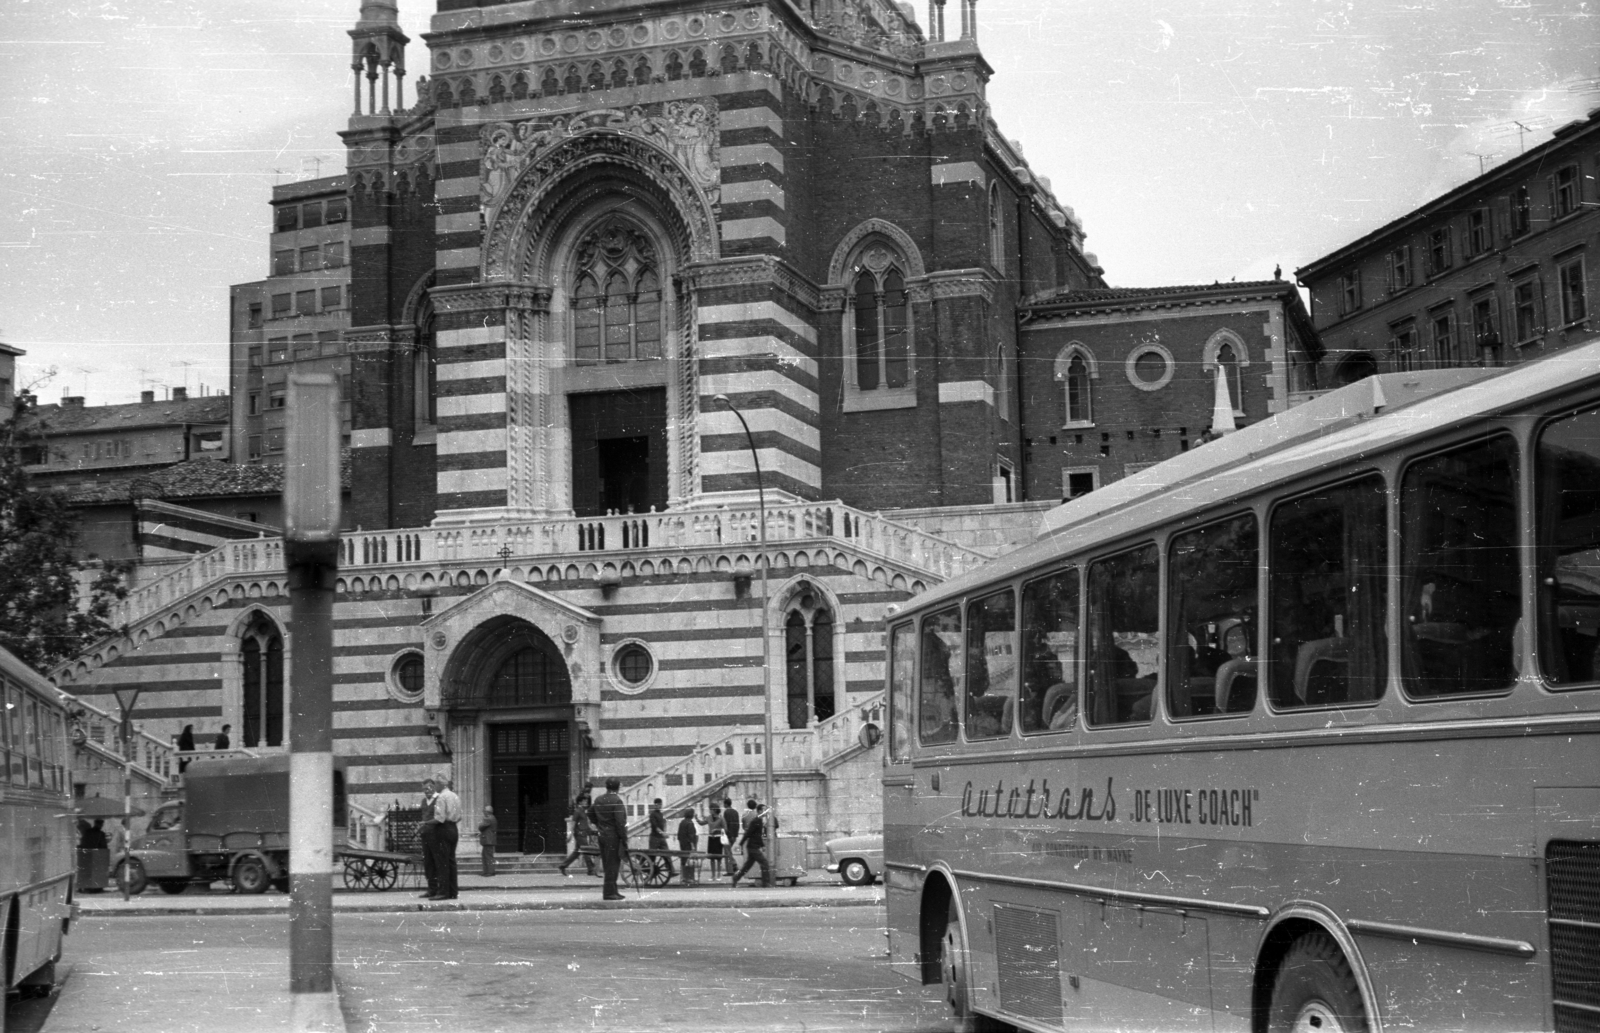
x,y
42,618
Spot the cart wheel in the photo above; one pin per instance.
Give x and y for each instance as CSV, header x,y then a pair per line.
x,y
384,874
355,873
657,873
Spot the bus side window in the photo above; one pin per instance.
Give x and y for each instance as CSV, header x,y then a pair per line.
x,y
19,756
1569,549
1211,581
1460,578
941,676
1050,653
902,668
1123,632
991,665
1328,554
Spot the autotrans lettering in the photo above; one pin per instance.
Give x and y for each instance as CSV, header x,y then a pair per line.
x,y
1038,800
1195,806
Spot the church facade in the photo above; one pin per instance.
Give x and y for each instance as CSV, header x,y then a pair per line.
x,y
610,257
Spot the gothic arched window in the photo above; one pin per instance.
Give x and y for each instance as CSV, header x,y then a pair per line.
x,y
530,677
808,664
882,324
262,710
1076,373
997,236
1229,361
616,297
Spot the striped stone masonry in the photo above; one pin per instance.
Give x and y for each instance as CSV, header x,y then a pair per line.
x,y
755,214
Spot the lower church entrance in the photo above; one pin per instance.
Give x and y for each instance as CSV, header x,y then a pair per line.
x,y
530,785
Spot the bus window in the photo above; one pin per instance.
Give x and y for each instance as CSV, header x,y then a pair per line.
x,y
35,760
991,665
941,676
1329,555
19,756
5,731
1050,653
902,671
1123,632
1459,572
1569,549
1211,581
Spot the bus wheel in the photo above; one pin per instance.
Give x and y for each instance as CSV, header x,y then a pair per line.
x,y
131,872
250,876
957,987
1315,991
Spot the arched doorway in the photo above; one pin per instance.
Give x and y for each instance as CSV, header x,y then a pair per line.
x,y
510,684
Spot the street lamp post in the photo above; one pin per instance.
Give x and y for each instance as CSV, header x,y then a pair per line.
x,y
766,639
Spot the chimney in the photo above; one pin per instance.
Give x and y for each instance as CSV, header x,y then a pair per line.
x,y
147,396
180,394
72,402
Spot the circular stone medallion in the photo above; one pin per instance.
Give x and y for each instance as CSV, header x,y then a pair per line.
x,y
463,58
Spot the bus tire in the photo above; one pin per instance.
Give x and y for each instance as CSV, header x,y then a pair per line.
x,y
250,876
1315,990
130,871
957,981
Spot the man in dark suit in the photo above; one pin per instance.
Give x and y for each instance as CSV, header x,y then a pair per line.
x,y
610,818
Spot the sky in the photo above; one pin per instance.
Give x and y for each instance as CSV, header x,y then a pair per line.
x,y
1197,141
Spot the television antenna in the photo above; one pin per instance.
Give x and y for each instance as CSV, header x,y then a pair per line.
x,y
1482,158
185,364
1522,127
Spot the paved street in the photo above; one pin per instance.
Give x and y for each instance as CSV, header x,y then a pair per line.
x,y
727,969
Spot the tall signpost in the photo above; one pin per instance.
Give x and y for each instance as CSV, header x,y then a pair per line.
x,y
311,553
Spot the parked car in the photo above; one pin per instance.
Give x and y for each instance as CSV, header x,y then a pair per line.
x,y
856,859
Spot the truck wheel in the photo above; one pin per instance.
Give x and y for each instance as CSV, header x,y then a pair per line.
x,y
172,886
250,876
131,872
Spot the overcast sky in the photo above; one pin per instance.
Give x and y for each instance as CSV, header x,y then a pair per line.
x,y
1198,140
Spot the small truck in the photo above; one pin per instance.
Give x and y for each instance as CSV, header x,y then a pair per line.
x,y
231,824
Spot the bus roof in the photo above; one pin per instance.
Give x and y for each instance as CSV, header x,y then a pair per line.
x,y
1347,425
12,666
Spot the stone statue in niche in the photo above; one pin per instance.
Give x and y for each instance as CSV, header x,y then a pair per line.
x,y
685,129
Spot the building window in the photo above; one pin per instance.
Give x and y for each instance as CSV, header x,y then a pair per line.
x,y
255,355
332,298
1486,326
333,254
882,339
1078,481
262,710
310,259
1442,327
616,308
1403,346
997,236
1569,280
336,210
281,305
406,678
278,349
808,660
1150,367
1350,292
328,342
1480,235
253,319
1440,253
1564,192
311,215
287,218
305,346
1005,485
1228,362
305,302
282,262
1526,302
276,394
275,440
632,666
1076,373
255,403
1400,268
1521,212
255,446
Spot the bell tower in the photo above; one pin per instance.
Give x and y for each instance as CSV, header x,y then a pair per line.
x,y
378,49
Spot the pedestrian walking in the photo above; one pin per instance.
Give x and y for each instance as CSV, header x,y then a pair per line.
x,y
427,829
688,842
582,835
185,745
714,840
731,830
755,846
447,812
222,742
658,833
488,832
610,817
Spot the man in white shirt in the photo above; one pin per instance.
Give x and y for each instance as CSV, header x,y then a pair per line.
x,y
447,812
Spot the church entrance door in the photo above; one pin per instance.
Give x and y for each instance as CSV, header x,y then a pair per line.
x,y
530,785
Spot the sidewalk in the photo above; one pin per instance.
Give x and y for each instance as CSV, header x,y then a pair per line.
x,y
172,990
532,892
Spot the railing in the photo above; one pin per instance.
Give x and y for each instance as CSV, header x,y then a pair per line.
x,y
365,827
153,759
679,529
688,780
